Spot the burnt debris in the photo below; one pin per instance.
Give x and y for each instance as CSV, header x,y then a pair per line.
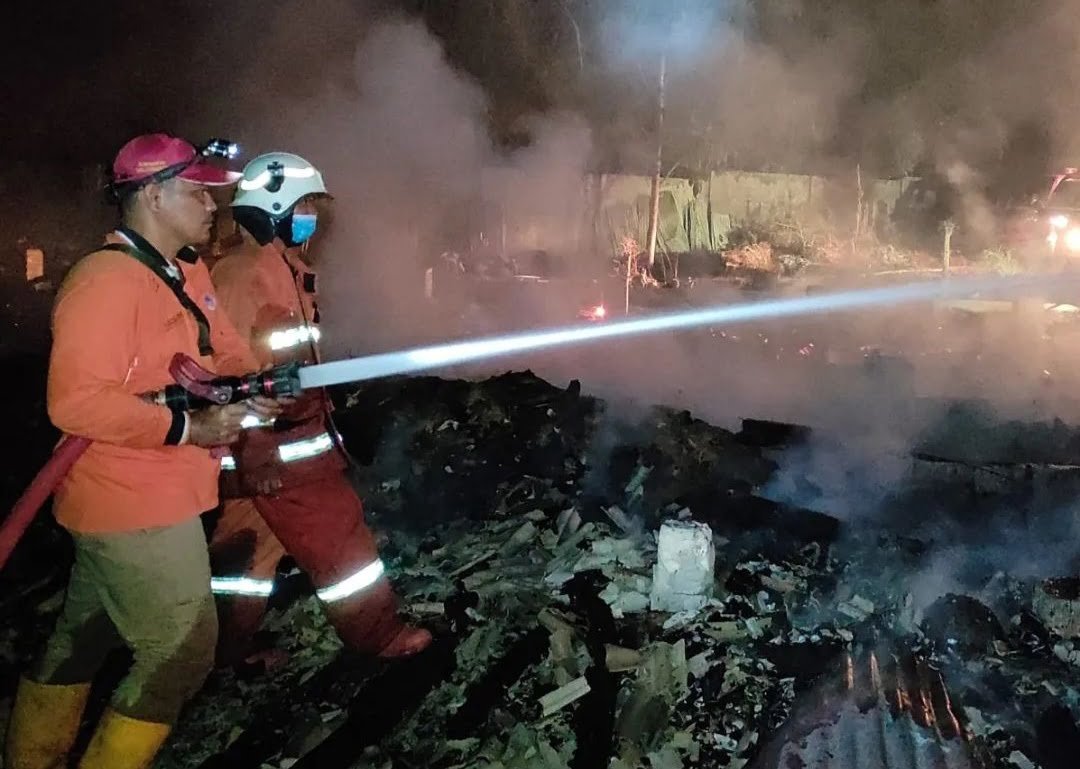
x,y
523,524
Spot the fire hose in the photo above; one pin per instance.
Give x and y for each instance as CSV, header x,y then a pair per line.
x,y
45,482
195,388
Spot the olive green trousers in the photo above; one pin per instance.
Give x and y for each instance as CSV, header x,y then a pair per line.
x,y
148,590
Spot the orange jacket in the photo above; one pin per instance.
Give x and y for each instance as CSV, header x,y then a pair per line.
x,y
269,294
268,289
116,326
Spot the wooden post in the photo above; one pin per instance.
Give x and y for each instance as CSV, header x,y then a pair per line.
x,y
858,209
502,235
654,198
946,251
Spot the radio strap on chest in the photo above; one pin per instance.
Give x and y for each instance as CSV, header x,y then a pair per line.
x,y
157,264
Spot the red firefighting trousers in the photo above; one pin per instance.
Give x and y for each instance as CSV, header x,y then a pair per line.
x,y
321,525
244,556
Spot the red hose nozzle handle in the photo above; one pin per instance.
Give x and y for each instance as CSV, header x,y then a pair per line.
x,y
197,388
198,381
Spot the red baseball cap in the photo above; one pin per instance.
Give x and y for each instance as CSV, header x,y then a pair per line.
x,y
148,155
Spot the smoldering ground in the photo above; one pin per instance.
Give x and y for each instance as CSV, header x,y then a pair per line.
x,y
408,149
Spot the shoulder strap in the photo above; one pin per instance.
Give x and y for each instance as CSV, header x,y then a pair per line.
x,y
157,266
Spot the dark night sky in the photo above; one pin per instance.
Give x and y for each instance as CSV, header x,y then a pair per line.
x,y
79,75
66,64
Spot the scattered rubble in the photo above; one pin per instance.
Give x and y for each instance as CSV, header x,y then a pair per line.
x,y
620,595
1057,605
606,605
683,575
961,622
434,450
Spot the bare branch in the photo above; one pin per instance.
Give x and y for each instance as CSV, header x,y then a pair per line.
x,y
577,35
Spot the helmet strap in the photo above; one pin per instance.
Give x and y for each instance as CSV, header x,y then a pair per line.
x,y
258,223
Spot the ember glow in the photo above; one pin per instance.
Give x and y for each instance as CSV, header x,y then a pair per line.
x,y
599,312
1072,239
454,353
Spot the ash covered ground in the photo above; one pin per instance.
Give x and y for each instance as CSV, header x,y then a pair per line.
x,y
891,502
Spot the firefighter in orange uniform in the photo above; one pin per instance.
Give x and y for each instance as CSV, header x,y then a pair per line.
x,y
292,473
132,502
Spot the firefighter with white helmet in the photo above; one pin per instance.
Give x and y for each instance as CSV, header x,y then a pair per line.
x,y
285,485
267,196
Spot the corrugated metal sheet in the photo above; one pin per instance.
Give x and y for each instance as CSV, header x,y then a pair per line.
x,y
887,711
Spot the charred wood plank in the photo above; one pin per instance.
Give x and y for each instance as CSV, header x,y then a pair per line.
x,y
345,680
748,512
378,707
594,719
486,692
270,729
767,434
1058,738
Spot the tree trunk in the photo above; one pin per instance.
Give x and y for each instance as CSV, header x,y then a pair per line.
x,y
654,200
946,250
577,37
857,233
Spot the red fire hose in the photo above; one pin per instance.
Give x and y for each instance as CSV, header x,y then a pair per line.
x,y
70,448
45,482
191,377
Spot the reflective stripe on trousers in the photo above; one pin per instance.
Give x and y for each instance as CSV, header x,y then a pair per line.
x,y
292,452
241,586
351,585
321,525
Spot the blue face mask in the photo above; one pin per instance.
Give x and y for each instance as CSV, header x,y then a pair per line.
x,y
303,227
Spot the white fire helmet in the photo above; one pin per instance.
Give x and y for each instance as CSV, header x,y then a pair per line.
x,y
275,181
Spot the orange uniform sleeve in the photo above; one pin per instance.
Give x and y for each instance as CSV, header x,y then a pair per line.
x,y
93,351
232,352
241,296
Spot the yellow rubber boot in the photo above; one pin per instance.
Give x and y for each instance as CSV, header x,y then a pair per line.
x,y
44,724
124,743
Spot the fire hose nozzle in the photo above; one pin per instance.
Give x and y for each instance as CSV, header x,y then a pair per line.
x,y
276,382
197,388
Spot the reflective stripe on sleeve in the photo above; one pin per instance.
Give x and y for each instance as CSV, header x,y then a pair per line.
x,y
287,338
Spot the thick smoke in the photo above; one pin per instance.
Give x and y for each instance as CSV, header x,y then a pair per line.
x,y
403,138
755,106
942,88
404,145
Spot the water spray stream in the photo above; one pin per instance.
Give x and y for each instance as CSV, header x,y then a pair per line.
x,y
453,353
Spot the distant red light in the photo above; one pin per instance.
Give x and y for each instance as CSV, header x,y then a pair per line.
x,y
594,312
